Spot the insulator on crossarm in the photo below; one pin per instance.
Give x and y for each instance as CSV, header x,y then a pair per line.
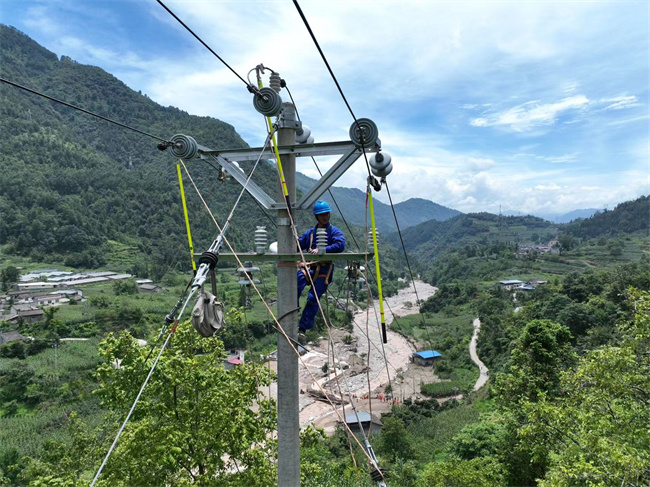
x,y
303,134
267,102
370,241
321,239
260,240
183,146
275,82
364,132
380,164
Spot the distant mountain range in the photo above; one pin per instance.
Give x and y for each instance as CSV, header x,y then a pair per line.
x,y
558,217
352,203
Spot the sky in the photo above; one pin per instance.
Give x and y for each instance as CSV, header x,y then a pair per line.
x,y
531,106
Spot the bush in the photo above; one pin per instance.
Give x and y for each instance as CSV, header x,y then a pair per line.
x,y
441,389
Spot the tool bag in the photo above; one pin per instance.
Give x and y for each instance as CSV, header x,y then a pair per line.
x,y
207,315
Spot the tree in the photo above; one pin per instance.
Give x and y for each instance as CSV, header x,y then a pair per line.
x,y
9,276
195,423
394,441
478,472
598,429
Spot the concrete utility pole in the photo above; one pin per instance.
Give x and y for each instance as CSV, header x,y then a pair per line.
x,y
362,133
288,386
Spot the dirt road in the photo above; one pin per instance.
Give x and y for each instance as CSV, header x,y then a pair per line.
x,y
484,372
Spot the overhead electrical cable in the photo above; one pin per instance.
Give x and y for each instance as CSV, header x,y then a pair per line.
x,y
338,86
408,264
202,42
88,112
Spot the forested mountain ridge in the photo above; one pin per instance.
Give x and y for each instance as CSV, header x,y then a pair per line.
x,y
69,181
628,217
431,238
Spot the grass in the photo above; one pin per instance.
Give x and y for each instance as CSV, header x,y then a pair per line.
x,y
433,435
64,377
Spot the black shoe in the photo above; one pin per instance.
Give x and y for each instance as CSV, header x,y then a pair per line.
x,y
302,338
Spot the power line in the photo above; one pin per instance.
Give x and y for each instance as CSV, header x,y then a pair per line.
x,y
82,110
408,264
322,54
204,44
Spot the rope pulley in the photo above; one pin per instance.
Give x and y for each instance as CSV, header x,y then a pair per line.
x,y
184,147
364,132
380,164
267,102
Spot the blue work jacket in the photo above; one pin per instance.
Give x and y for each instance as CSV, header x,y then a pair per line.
x,y
335,242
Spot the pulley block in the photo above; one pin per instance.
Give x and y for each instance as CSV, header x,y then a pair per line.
x,y
364,132
267,102
184,147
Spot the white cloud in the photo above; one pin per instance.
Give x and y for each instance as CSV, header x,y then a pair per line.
x,y
621,102
531,114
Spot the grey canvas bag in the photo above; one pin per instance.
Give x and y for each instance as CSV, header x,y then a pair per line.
x,y
207,315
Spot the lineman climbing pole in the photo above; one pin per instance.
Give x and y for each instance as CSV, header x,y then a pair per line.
x,y
364,136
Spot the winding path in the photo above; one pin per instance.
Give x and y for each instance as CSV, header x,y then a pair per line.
x,y
484,372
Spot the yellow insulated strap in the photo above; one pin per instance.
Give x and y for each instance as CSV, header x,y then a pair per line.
x,y
275,148
187,220
374,245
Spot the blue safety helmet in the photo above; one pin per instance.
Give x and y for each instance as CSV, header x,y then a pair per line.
x,y
321,207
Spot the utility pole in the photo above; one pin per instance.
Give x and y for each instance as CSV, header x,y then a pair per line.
x,y
288,386
363,138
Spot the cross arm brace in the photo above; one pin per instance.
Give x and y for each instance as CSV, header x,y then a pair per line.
x,y
240,176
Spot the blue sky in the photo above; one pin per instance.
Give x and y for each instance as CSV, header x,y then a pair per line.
x,y
532,106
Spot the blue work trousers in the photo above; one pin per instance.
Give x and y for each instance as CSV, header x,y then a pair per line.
x,y
311,307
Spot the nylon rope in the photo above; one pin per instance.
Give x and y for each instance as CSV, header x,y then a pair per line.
x,y
281,329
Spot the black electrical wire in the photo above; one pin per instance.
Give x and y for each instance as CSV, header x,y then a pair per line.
x,y
202,42
322,54
408,264
82,110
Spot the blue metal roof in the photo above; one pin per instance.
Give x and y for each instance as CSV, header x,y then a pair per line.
x,y
428,354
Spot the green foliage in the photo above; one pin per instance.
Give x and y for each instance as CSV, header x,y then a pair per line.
x,y
194,423
597,429
125,286
442,389
394,442
478,472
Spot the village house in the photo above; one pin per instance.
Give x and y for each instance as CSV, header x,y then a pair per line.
x,y
426,358
352,420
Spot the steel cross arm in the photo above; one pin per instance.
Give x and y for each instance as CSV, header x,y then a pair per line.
x,y
255,257
299,150
335,172
240,176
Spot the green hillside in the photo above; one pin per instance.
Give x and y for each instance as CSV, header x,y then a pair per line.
x,y
71,182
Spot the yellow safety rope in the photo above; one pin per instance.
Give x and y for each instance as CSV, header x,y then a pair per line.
x,y
277,153
374,244
187,220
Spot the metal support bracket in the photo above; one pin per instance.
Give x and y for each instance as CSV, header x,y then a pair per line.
x,y
335,172
254,257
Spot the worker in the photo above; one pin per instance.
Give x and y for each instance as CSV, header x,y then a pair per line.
x,y
320,272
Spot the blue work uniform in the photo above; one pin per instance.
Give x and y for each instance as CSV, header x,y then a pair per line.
x,y
321,273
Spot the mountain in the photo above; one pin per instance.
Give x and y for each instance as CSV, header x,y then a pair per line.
x,y
571,215
352,203
625,218
429,239
70,182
